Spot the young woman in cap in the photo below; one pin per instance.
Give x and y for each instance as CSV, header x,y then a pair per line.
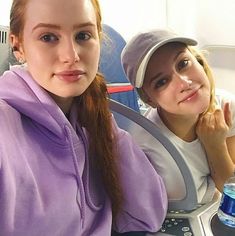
x,y
65,167
175,80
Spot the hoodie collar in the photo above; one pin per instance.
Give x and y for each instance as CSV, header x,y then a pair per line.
x,y
21,91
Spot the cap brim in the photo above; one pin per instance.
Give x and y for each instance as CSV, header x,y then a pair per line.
x,y
142,67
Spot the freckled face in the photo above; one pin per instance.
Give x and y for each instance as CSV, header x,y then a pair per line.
x,y
176,82
61,45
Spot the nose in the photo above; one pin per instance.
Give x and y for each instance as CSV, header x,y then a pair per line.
x,y
69,52
183,80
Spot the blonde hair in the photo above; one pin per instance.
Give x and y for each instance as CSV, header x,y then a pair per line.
x,y
202,60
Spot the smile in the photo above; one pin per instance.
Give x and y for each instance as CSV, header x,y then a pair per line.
x,y
190,96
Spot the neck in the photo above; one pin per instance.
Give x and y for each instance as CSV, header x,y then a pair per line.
x,y
64,103
182,126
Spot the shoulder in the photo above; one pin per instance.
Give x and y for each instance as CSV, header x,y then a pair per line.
x,y
7,121
8,115
152,114
6,109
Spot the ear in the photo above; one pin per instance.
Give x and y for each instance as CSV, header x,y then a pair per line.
x,y
150,102
17,48
145,97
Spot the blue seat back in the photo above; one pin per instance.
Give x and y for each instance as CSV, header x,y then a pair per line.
x,y
110,66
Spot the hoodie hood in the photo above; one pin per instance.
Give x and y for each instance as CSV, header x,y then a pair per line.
x,y
21,91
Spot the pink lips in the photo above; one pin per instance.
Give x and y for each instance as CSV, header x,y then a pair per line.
x,y
70,76
190,96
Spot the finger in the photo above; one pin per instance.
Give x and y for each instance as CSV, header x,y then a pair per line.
x,y
227,114
219,117
208,121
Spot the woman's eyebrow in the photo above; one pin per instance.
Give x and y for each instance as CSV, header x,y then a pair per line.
x,y
85,24
178,54
45,25
54,26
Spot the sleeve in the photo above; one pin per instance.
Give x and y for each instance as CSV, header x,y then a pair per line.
x,y
145,198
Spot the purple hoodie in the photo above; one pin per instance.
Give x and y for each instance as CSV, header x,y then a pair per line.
x,y
46,186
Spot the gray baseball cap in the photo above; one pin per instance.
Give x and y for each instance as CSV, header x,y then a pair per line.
x,y
137,52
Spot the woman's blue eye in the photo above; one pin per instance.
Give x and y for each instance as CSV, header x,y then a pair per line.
x,y
182,64
82,36
160,83
49,38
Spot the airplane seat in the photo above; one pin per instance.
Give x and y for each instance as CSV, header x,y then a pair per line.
x,y
110,66
184,215
221,59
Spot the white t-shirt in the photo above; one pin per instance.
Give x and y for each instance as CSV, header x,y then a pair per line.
x,y
193,153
